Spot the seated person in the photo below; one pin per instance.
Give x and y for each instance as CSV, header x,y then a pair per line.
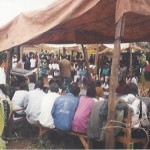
x,y
5,113
122,88
34,98
105,87
98,118
82,115
19,100
32,80
99,90
47,103
65,107
134,103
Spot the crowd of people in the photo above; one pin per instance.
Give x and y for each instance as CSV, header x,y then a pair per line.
x,y
66,99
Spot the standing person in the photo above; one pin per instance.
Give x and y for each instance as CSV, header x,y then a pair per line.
x,y
64,108
34,103
27,62
48,100
14,61
32,62
65,71
83,112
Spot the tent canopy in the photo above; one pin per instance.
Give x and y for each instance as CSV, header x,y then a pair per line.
x,y
110,48
80,21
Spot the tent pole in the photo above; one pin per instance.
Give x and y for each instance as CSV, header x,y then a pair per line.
x,y
86,63
110,138
130,69
9,64
96,59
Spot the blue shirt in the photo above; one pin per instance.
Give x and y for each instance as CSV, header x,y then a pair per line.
x,y
63,111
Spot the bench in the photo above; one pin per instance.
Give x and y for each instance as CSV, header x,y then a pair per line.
x,y
82,137
126,139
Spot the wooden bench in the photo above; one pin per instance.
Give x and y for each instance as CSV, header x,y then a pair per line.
x,y
126,139
82,137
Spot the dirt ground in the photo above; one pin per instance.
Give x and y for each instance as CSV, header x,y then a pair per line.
x,y
52,140
26,137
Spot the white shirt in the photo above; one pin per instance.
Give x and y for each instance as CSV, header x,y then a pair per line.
x,y
50,66
134,80
134,103
14,62
19,99
2,76
2,95
45,117
55,66
31,86
34,105
33,62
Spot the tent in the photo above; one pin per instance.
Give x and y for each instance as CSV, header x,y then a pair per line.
x,y
82,21
124,47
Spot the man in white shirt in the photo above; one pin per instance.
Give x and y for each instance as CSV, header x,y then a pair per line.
x,y
19,100
34,103
48,100
32,62
134,104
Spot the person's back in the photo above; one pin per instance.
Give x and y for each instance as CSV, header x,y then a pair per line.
x,y
65,68
134,102
82,115
47,103
19,100
122,88
98,119
64,109
34,103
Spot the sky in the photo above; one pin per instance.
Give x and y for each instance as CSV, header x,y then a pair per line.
x,y
11,8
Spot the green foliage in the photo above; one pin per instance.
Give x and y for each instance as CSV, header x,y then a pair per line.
x,y
2,143
143,81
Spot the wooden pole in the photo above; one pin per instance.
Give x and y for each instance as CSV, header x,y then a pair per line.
x,y
110,138
87,63
71,58
9,65
130,69
96,59
64,51
21,51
